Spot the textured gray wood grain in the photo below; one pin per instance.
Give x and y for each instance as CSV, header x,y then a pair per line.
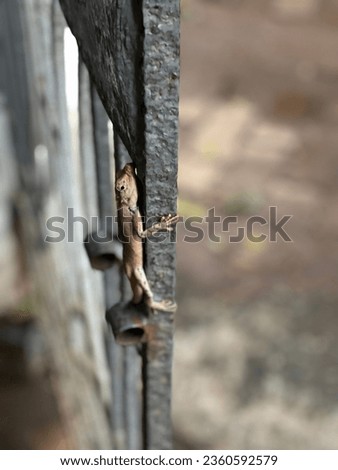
x,y
109,35
13,64
9,266
69,296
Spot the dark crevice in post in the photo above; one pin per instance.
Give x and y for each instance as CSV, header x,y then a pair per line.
x,y
122,156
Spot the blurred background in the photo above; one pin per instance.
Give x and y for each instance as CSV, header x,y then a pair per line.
x,y
256,356
256,351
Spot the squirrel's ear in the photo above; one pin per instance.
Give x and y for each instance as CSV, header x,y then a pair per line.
x,y
129,168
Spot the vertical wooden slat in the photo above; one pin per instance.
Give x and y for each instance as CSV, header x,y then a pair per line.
x,y
131,379
14,78
69,302
132,402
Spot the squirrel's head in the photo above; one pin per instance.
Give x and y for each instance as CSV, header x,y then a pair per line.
x,y
125,180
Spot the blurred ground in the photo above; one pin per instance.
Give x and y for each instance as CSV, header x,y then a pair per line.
x,y
29,415
256,355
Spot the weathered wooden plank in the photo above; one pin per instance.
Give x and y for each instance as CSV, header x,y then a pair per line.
x,y
14,80
132,406
103,160
9,266
109,35
69,295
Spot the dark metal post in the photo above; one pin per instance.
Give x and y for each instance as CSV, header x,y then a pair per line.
x,y
160,80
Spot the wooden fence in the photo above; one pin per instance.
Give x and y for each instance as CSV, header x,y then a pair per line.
x,y
111,396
